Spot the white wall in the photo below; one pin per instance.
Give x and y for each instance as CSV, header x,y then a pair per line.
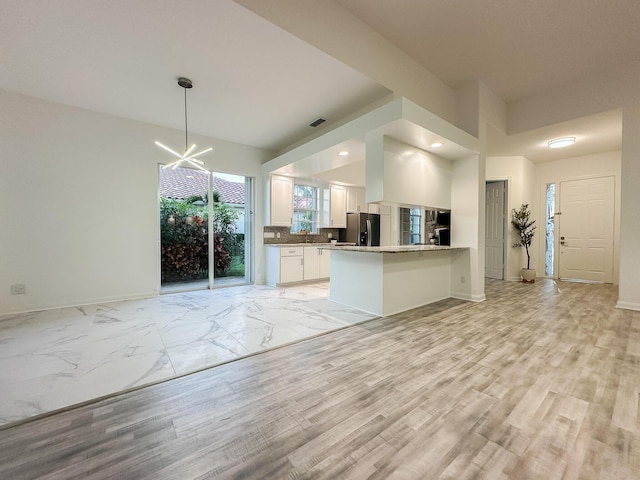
x,y
79,202
589,166
412,176
518,173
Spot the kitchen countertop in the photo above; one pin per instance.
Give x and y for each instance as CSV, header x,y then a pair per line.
x,y
310,244
391,248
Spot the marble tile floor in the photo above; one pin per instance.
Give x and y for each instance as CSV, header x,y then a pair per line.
x,y
57,358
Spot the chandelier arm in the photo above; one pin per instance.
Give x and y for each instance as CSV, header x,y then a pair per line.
x,y
198,166
171,164
195,160
169,150
187,152
200,153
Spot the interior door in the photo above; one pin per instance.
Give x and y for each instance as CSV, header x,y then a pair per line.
x,y
494,230
586,229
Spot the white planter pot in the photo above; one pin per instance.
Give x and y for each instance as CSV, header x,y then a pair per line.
x,y
528,275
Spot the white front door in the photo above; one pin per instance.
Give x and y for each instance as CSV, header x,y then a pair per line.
x,y
494,231
586,229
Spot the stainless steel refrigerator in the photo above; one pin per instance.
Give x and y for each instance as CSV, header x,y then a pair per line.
x,y
363,229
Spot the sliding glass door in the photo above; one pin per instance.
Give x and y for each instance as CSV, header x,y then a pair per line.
x,y
203,243
184,229
231,228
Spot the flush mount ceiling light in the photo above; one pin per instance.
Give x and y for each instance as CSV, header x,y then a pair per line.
x,y
436,145
561,142
343,153
187,157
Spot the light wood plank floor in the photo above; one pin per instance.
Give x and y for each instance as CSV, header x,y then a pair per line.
x,y
535,383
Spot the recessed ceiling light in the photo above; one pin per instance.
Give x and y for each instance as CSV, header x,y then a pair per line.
x,y
436,144
561,142
343,153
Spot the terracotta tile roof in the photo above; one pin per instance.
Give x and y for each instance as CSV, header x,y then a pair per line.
x,y
186,182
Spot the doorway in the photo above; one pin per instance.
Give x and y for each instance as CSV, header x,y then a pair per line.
x,y
586,226
495,229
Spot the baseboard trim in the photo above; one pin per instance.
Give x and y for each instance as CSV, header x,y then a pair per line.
x,y
628,305
469,298
82,303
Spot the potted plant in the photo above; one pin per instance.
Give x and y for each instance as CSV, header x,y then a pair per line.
x,y
522,223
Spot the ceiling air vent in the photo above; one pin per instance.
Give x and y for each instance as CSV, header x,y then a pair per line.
x,y
317,122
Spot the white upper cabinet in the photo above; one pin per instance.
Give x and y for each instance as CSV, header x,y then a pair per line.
x,y
281,201
355,200
337,206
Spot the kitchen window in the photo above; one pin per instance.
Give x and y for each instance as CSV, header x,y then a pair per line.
x,y
305,209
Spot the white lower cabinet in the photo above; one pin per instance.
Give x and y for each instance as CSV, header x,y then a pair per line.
x,y
311,265
291,269
284,264
324,263
296,264
316,263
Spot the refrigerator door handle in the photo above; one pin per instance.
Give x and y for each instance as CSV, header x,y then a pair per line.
x,y
369,232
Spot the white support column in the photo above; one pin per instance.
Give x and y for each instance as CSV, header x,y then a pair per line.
x,y
629,291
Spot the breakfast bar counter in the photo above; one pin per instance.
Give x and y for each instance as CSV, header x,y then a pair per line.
x,y
392,279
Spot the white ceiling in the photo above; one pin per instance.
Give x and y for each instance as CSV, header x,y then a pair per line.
x,y
518,48
593,134
254,83
258,85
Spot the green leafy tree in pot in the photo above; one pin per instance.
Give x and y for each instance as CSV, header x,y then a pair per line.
x,y
522,223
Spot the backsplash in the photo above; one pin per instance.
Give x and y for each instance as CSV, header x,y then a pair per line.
x,y
287,237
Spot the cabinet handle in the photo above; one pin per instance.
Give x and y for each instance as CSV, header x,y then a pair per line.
x,y
302,262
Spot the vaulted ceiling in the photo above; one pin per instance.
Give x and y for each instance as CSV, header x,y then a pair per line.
x,y
256,84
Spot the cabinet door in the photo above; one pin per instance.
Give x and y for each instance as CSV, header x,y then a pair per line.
x,y
338,206
355,199
311,255
324,263
291,269
384,210
281,201
374,208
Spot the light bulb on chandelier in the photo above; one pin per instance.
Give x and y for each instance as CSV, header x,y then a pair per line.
x,y
187,157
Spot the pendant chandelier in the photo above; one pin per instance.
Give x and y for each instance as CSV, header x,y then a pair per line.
x,y
187,157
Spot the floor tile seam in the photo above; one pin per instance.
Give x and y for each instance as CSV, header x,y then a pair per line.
x,y
114,395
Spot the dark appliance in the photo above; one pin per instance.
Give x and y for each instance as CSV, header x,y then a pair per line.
x,y
443,218
363,229
443,236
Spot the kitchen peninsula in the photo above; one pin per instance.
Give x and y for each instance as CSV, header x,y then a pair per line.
x,y
388,280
